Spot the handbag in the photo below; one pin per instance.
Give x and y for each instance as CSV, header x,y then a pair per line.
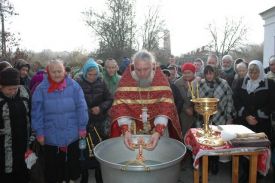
x,y
37,170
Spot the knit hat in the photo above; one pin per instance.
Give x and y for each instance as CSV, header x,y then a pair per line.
x,y
9,77
188,66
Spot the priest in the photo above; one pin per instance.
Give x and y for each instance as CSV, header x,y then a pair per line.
x,y
143,103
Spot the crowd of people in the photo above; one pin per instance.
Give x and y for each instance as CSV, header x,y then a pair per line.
x,y
64,110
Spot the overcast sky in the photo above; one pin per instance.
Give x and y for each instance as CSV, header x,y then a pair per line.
x,y
58,24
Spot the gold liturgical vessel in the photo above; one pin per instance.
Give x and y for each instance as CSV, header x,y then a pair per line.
x,y
206,107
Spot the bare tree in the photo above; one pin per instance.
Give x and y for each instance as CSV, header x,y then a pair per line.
x,y
231,37
6,9
249,52
115,28
152,29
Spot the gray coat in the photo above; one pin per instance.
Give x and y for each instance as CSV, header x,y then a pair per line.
x,y
186,121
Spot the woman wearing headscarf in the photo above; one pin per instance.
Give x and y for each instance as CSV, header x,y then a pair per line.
x,y
99,101
254,100
187,79
212,86
23,67
110,75
59,119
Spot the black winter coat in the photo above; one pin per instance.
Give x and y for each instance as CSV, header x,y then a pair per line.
x,y
14,124
259,104
96,94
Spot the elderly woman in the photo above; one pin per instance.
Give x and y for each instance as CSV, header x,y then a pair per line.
x,y
99,101
110,75
187,79
254,100
241,71
14,127
59,118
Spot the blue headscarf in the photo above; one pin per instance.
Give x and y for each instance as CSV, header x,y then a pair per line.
x,y
90,64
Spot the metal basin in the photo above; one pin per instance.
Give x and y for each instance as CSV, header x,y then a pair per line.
x,y
162,165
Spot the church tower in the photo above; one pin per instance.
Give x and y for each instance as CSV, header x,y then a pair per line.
x,y
167,42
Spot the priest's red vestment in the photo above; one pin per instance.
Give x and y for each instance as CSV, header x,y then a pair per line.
x,y
129,100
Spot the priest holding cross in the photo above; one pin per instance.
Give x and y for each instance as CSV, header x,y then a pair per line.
x,y
143,103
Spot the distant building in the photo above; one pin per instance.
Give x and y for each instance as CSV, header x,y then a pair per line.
x,y
269,34
167,42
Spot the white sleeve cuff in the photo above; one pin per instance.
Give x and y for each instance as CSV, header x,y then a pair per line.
x,y
162,120
124,121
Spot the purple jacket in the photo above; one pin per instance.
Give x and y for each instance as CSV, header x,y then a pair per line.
x,y
36,80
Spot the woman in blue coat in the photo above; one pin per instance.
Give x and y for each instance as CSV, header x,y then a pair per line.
x,y
59,118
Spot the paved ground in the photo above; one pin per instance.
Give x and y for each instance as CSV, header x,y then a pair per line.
x,y
224,175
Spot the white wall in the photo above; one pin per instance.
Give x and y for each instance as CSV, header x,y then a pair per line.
x,y
269,35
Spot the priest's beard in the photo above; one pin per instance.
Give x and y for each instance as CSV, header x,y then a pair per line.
x,y
143,83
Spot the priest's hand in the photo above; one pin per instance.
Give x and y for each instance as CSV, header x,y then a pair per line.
x,y
153,141
128,140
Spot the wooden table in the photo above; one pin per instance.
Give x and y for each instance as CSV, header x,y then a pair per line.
x,y
235,167
203,152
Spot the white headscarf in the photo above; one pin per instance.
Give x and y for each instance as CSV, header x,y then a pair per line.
x,y
253,84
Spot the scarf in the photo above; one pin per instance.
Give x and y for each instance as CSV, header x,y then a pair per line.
x,y
253,84
111,81
90,64
55,85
